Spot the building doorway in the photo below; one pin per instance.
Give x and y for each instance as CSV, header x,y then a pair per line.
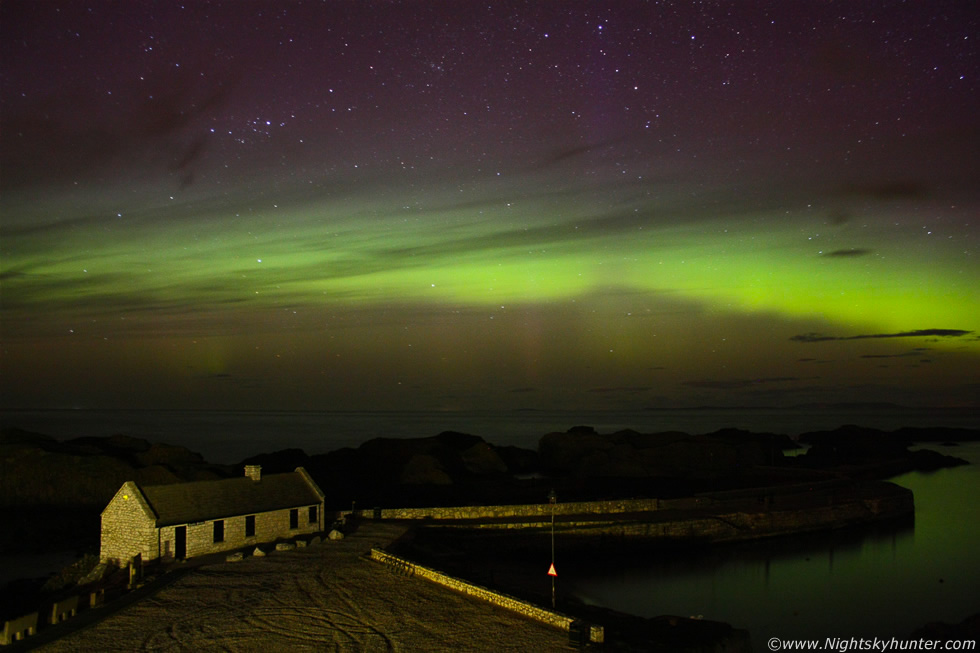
x,y
180,542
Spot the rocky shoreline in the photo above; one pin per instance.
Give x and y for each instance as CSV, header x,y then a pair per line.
x,y
452,468
746,475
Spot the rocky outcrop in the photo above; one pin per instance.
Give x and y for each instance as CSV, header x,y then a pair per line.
x,y
519,461
278,462
86,472
968,629
628,454
405,471
483,460
424,469
874,452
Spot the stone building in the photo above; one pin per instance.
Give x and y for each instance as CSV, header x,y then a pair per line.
x,y
184,520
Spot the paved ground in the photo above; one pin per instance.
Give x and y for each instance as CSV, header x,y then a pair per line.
x,y
324,598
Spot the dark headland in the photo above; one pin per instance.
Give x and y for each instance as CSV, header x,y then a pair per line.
x,y
55,491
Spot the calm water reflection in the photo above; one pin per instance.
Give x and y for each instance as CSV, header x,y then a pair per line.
x,y
885,582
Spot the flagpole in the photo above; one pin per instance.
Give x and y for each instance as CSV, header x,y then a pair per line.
x,y
552,497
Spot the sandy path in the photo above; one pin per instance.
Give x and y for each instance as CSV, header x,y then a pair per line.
x,y
324,598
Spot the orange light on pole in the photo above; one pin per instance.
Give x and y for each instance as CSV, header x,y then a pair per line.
x,y
552,499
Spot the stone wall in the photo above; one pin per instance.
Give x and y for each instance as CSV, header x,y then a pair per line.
x,y
549,617
719,516
128,530
814,494
538,510
17,629
128,527
269,527
716,526
63,609
542,510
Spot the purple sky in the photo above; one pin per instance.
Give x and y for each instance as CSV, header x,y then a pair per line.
x,y
488,205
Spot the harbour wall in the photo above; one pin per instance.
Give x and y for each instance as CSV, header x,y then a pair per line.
x,y
596,634
718,516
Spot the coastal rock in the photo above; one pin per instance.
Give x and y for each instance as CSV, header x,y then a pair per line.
x,y
423,469
938,434
20,436
166,454
156,475
871,450
628,454
86,472
37,476
139,453
278,462
518,460
926,460
412,471
968,629
567,452
482,459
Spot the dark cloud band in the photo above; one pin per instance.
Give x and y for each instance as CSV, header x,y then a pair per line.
x,y
919,333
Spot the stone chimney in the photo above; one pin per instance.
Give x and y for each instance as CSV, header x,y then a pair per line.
x,y
253,472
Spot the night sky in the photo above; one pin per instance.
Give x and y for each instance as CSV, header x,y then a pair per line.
x,y
459,205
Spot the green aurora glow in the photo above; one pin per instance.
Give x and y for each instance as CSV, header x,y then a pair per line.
x,y
604,267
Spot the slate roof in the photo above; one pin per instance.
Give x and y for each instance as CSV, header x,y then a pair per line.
x,y
186,503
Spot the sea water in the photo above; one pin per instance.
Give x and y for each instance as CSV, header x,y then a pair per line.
x,y
882,582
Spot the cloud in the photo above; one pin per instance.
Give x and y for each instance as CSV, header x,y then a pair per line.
x,y
575,151
75,133
919,333
631,390
888,190
905,355
848,253
734,384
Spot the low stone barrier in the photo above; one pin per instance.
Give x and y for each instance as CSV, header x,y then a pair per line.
x,y
96,598
526,510
549,617
63,609
713,500
815,495
17,629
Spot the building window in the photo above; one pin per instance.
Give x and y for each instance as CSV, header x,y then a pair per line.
x,y
294,518
250,526
219,531
312,519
